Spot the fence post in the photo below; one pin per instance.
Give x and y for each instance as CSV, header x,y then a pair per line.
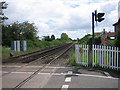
x,y
83,54
110,57
100,55
114,57
118,62
93,55
107,56
88,46
104,56
76,52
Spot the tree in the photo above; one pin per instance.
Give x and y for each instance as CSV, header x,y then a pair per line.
x,y
117,41
52,37
6,36
64,36
3,5
47,38
27,31
18,31
97,41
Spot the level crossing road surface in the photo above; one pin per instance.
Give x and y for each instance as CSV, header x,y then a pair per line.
x,y
57,77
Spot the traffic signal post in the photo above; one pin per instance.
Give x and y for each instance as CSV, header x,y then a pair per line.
x,y
93,41
98,18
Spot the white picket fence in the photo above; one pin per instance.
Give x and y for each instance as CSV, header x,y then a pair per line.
x,y
81,56
105,56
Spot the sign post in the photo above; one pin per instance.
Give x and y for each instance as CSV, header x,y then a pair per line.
x,y
104,35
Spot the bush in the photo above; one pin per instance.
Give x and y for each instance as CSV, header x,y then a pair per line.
x,y
97,41
111,43
56,42
32,45
117,41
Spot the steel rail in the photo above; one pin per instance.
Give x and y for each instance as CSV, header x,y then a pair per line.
x,y
36,72
42,57
31,54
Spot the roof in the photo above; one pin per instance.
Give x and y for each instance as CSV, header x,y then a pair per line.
x,y
117,22
109,34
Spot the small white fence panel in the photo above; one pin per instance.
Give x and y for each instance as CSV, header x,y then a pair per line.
x,y
105,56
81,52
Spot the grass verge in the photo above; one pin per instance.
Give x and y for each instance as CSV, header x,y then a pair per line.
x,y
72,61
6,51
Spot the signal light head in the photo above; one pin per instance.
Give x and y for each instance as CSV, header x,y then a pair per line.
x,y
99,16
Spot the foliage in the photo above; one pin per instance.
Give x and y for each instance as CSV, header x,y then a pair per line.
x,y
97,41
18,31
52,37
117,41
31,46
56,42
27,31
7,36
84,39
47,38
111,42
71,61
64,36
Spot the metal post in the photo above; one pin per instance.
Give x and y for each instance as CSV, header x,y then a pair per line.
x,y
14,45
93,41
24,45
18,45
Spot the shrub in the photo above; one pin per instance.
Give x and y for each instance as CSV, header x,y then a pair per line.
x,y
117,41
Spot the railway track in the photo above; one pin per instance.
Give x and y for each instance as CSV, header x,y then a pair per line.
x,y
26,58
45,56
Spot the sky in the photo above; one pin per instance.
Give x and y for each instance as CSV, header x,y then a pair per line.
x,y
73,17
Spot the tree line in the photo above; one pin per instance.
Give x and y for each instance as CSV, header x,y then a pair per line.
x,y
25,31
18,31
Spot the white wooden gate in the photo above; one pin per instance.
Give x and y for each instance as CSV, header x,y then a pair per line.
x,y
105,56
81,54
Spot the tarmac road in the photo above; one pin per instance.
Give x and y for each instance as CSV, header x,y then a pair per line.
x,y
58,77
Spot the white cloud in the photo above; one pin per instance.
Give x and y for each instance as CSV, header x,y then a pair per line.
x,y
56,16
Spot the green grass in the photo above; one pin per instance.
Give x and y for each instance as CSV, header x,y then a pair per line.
x,y
72,61
6,51
31,46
